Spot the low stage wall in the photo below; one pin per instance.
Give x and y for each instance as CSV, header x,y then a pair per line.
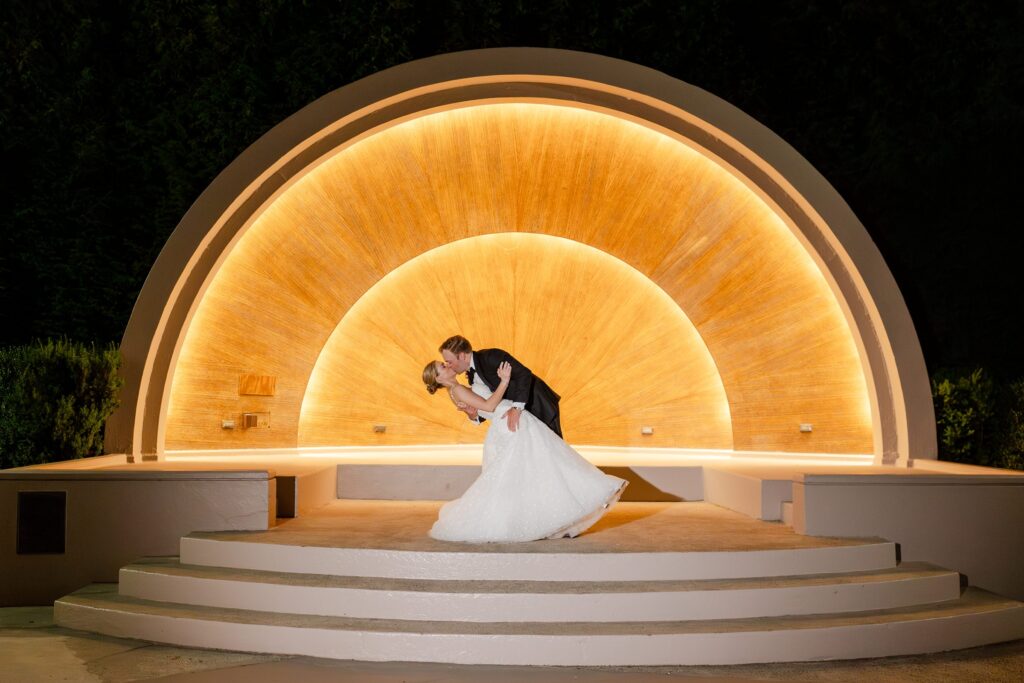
x,y
448,482
971,523
112,518
966,519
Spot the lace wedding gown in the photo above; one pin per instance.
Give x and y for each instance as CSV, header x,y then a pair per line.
x,y
532,485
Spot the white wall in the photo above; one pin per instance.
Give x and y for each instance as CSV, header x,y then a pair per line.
x,y
114,518
972,524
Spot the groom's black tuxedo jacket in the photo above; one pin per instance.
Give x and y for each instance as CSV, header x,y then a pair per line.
x,y
524,387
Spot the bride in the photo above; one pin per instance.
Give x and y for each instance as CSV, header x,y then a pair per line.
x,y
532,485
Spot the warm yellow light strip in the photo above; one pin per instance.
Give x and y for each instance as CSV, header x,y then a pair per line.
x,y
470,454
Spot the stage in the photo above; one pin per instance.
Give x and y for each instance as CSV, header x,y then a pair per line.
x,y
651,584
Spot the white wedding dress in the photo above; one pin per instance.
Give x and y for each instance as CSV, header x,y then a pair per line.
x,y
532,485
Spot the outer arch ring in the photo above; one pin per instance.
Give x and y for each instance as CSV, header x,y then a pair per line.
x,y
897,379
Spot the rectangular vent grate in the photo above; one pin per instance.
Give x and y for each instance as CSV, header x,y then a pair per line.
x,y
41,522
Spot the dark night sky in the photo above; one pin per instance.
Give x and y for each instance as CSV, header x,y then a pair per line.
x,y
115,115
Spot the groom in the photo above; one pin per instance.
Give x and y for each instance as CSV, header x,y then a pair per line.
x,y
525,390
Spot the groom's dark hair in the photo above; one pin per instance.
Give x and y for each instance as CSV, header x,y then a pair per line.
x,y
457,344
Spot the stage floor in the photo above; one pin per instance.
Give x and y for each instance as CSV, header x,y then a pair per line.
x,y
627,528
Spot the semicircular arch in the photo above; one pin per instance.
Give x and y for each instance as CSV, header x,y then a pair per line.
x,y
780,340
827,235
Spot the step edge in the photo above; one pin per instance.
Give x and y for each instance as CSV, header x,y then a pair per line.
x,y
468,566
389,584
598,651
81,598
518,606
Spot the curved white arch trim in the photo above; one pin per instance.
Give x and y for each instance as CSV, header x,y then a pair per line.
x,y
883,329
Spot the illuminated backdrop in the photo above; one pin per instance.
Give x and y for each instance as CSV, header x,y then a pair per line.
x,y
693,307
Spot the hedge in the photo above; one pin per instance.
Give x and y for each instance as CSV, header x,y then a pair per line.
x,y
55,397
980,420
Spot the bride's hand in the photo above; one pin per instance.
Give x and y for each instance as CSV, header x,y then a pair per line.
x,y
504,371
469,410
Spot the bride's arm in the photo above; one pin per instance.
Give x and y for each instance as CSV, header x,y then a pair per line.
x,y
468,396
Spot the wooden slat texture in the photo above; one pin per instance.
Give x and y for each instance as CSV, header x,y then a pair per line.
x,y
779,344
622,352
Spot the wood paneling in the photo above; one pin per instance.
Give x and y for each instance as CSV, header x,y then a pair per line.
x,y
256,385
778,339
618,350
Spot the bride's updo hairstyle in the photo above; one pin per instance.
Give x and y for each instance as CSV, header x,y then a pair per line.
x,y
430,376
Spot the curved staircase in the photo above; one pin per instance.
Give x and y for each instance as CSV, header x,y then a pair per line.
x,y
362,582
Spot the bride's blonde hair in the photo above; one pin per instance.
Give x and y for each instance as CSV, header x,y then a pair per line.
x,y
430,377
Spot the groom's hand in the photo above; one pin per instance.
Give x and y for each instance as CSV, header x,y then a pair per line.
x,y
512,416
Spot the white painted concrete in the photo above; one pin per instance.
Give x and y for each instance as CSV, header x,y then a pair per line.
x,y
678,482
733,490
115,517
537,602
787,513
273,592
410,481
754,493
775,492
469,566
974,620
972,523
316,488
404,482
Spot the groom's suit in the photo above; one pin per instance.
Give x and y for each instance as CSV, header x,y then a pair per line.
x,y
524,387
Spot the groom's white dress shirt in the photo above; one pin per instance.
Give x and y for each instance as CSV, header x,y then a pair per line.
x,y
481,388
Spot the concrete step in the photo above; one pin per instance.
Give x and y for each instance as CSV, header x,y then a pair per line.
x,y
166,580
976,618
463,562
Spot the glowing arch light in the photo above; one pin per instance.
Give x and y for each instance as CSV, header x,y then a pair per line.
x,y
777,279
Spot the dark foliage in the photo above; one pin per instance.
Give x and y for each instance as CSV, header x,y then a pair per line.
x,y
980,420
1012,444
55,397
115,114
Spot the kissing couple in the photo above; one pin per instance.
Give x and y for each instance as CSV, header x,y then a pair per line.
x,y
532,484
